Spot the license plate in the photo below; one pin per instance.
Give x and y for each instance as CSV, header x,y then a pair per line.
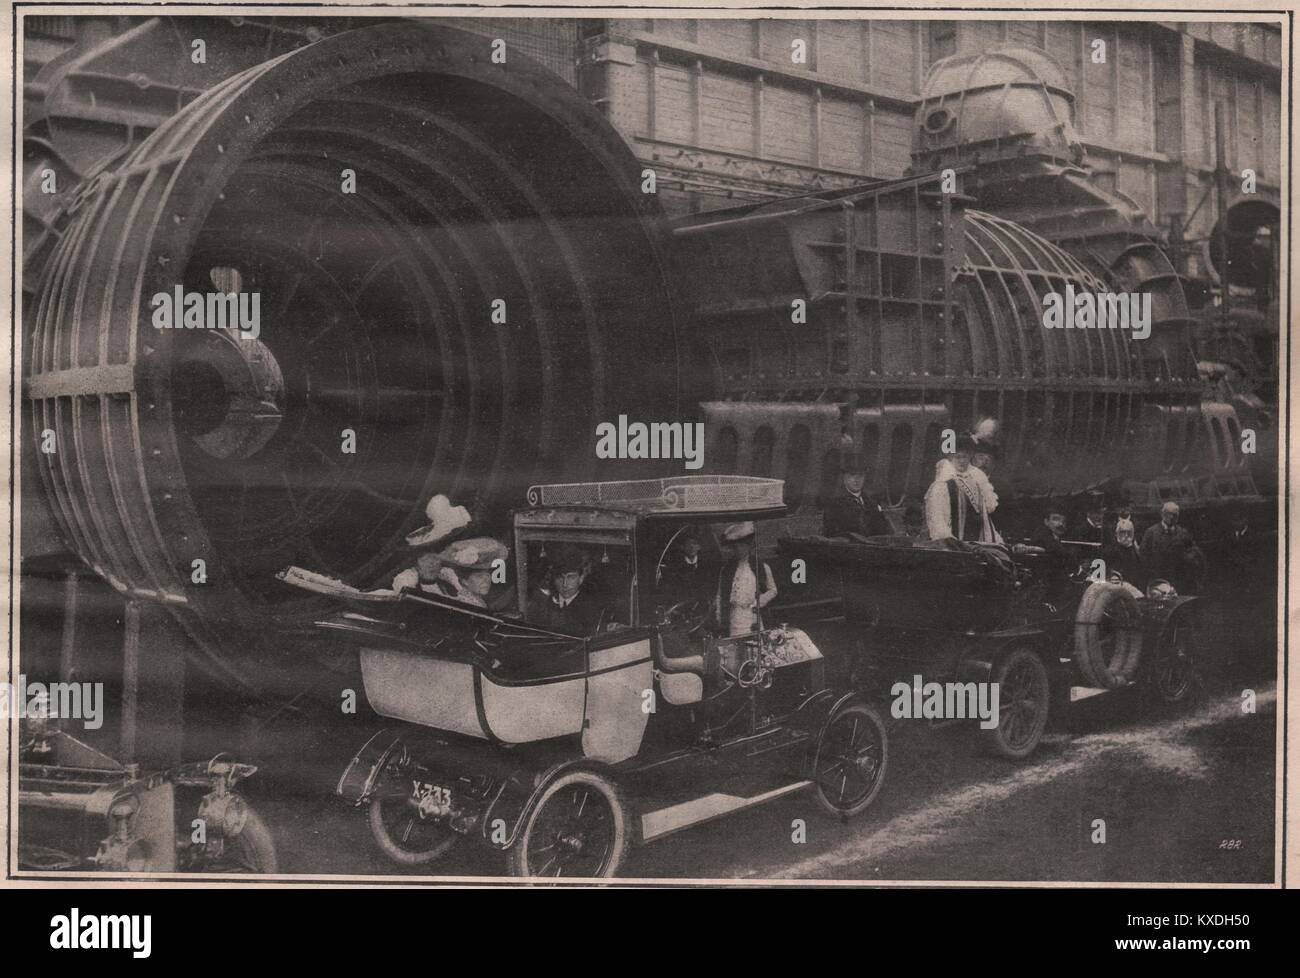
x,y
432,799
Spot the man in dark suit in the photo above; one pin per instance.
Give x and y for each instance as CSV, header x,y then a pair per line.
x,y
1056,562
1170,552
1094,528
685,574
1248,588
852,511
1245,551
564,603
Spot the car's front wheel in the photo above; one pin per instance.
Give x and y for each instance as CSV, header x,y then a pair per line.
x,y
579,828
849,766
1173,672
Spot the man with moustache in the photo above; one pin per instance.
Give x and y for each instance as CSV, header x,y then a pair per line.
x,y
852,512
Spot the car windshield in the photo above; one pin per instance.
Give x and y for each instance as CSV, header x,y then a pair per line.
x,y
683,554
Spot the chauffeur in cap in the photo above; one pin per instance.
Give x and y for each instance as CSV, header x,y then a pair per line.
x,y
740,597
852,512
686,572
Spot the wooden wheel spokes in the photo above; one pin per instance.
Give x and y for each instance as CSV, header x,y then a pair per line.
x,y
574,835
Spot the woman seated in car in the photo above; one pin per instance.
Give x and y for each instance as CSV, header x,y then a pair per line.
x,y
462,571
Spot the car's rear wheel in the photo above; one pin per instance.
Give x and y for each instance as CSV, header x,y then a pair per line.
x,y
579,828
849,766
406,837
1023,699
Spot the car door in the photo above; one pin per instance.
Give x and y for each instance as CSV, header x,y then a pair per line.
x,y
620,685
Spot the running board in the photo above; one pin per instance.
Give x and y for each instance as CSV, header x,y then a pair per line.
x,y
674,818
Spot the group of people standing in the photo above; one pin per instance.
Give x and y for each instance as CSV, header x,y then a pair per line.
x,y
1166,556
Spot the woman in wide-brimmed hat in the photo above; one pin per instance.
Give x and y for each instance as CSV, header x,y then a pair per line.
x,y
745,584
462,570
961,498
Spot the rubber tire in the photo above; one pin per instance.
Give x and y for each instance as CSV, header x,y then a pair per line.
x,y
873,717
518,857
1157,697
254,845
1123,664
394,851
993,739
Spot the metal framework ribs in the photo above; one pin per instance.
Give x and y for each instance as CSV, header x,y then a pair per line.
x,y
491,183
923,314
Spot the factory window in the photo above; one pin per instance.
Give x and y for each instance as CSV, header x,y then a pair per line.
x,y
943,39
871,452
830,475
761,459
900,458
725,447
840,356
797,446
1196,445
1174,431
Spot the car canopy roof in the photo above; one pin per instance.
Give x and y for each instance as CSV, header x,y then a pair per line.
x,y
694,497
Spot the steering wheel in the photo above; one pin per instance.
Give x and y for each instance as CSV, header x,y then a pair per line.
x,y
688,615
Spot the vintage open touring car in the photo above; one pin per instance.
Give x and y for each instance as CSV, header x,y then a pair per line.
x,y
564,750
962,612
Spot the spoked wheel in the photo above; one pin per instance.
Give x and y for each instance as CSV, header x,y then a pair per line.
x,y
578,828
251,851
1173,673
1022,705
849,767
405,835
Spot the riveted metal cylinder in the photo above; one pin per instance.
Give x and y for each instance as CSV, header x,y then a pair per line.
x,y
454,261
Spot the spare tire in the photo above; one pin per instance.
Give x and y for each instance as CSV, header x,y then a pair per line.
x,y
1108,636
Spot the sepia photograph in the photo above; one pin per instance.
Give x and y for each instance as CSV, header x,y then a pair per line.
x,y
710,447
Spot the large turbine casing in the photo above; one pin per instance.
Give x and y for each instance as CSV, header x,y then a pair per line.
x,y
480,188
881,316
